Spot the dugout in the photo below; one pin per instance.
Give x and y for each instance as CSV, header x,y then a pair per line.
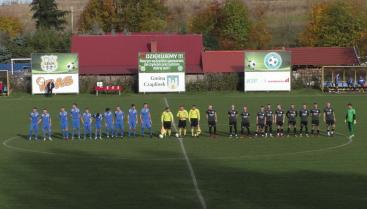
x,y
343,79
4,83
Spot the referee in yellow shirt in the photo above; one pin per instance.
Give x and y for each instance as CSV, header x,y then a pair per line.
x,y
194,118
182,116
167,119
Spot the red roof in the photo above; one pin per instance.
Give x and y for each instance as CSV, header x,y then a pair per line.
x,y
118,54
321,56
233,61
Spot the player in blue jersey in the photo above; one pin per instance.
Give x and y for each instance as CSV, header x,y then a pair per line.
x,y
87,122
146,120
132,120
63,115
108,118
34,118
98,125
46,125
75,120
119,122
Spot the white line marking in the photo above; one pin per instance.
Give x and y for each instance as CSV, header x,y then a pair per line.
x,y
11,147
240,157
189,165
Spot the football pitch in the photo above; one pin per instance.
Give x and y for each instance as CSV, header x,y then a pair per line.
x,y
192,173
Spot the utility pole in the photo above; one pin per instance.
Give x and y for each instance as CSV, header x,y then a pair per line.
x,y
72,19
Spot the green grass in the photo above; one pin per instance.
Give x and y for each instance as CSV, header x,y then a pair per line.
x,y
288,173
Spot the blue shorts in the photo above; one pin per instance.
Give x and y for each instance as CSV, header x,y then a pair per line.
x,y
132,124
46,127
33,127
64,126
76,124
88,127
146,124
98,126
119,125
109,125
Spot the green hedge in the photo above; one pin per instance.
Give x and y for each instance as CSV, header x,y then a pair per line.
x,y
217,82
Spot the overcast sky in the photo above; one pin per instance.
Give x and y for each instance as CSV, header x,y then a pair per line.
x,y
19,1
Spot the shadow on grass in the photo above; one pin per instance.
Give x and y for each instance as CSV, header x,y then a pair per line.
x,y
36,181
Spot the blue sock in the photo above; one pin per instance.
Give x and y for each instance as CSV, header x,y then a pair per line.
x,y
142,131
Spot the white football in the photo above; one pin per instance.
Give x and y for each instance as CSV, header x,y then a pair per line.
x,y
160,136
273,61
70,66
177,135
252,64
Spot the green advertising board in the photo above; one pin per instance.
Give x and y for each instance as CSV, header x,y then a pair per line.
x,y
263,61
161,62
55,63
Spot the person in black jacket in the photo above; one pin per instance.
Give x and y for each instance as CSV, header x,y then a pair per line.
x,y
49,87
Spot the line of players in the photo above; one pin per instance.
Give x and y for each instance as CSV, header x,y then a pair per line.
x,y
114,122
266,117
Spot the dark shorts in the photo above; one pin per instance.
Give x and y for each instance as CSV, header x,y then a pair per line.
x,y
292,123
212,123
269,123
182,124
194,122
330,122
245,124
167,124
280,123
232,123
315,122
304,123
261,125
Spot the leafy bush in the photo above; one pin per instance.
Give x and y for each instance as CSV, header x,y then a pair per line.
x,y
216,82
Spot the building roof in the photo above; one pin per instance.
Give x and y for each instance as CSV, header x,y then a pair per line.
x,y
320,56
233,61
118,54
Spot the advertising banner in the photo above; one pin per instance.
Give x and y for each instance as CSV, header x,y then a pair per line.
x,y
64,83
162,72
62,68
267,71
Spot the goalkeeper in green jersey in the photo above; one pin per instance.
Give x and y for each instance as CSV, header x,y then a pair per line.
x,y
351,120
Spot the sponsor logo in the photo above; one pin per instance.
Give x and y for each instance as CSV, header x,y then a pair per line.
x,y
273,61
49,63
60,82
279,81
173,81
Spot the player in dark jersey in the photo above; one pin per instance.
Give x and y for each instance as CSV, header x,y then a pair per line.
x,y
269,121
292,120
279,120
315,119
304,113
245,121
329,119
211,116
232,119
260,122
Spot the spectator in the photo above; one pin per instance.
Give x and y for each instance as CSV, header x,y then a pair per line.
x,y
350,82
361,81
50,86
1,87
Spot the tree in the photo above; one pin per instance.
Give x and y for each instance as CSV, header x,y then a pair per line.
x,y
224,25
333,24
10,26
260,37
205,23
47,14
233,25
5,55
141,15
98,15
